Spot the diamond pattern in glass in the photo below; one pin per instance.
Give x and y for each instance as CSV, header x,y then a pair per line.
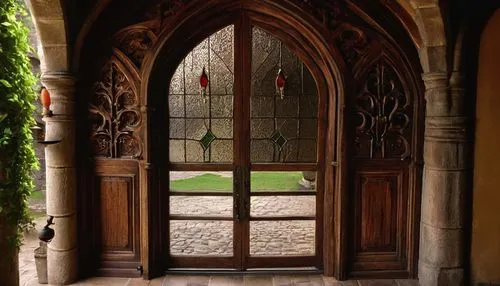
x,y
278,139
207,139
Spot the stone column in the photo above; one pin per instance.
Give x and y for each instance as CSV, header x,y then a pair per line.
x,y
61,178
441,259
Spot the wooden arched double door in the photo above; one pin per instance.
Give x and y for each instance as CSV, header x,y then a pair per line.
x,y
244,190
263,138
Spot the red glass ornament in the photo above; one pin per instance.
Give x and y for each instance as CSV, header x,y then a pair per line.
x,y
45,99
203,79
280,83
203,83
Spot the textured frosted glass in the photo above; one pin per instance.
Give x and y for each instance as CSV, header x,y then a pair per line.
x,y
177,82
176,150
203,125
222,106
283,122
176,105
176,128
261,127
222,151
222,128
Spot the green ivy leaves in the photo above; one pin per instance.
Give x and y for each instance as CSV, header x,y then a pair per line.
x,y
5,83
17,156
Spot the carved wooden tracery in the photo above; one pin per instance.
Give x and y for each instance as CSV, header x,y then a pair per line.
x,y
383,115
115,115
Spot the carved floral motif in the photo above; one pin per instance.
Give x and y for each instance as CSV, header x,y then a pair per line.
x,y
135,42
115,116
334,14
383,112
352,43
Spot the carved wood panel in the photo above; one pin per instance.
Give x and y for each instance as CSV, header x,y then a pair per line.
x,y
117,215
382,115
115,116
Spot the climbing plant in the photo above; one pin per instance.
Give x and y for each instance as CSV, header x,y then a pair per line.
x,y
17,155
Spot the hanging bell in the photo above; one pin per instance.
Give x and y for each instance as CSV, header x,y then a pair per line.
x,y
203,84
280,84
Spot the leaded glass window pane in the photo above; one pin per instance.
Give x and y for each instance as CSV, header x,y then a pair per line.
x,y
283,127
201,127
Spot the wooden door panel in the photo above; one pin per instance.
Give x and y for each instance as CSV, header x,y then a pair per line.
x,y
377,212
380,219
115,197
116,220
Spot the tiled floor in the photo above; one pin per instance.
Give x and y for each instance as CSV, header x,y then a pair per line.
x,y
247,280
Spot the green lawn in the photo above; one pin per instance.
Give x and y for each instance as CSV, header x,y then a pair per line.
x,y
36,195
260,181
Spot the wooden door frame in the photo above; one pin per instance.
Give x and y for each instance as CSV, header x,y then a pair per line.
x,y
308,26
306,39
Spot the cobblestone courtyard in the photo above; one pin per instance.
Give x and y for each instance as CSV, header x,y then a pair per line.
x,y
270,238
215,237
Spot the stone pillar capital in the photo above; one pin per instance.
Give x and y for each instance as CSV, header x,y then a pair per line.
x,y
59,80
62,88
434,80
437,94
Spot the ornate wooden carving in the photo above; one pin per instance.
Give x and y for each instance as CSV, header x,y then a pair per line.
x,y
352,43
115,116
135,41
383,115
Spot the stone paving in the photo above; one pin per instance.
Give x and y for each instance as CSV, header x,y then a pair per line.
x,y
243,280
269,238
27,268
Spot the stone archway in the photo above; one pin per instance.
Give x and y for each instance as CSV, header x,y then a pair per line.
x,y
441,260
